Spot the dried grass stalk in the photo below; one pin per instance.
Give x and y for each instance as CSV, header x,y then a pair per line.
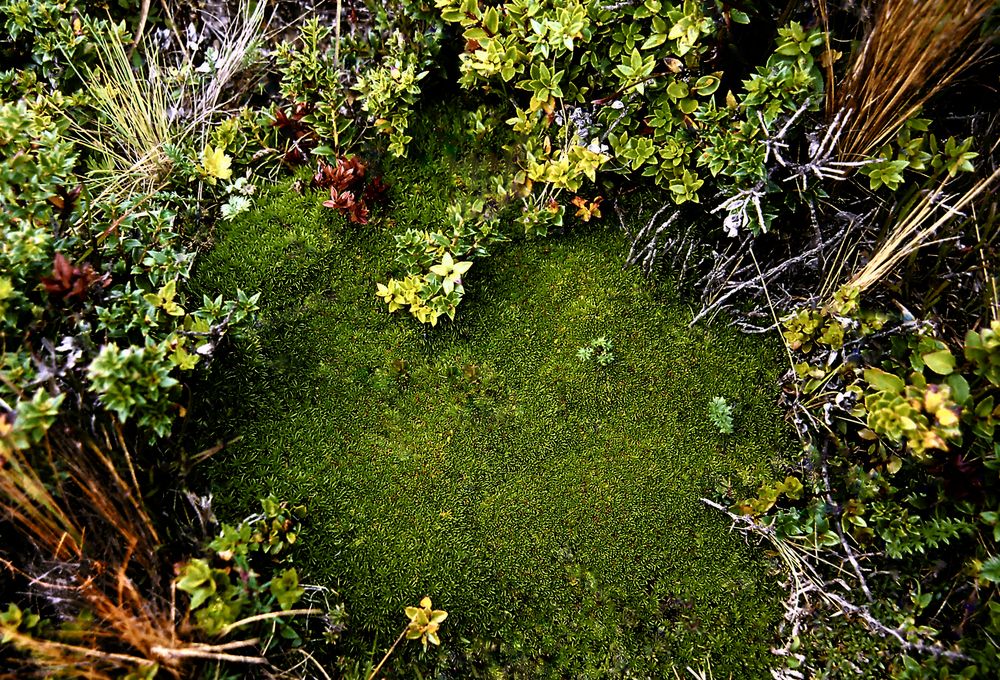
x,y
93,550
140,113
922,221
133,121
914,49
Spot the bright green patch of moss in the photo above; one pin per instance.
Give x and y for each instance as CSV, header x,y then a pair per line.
x,y
549,504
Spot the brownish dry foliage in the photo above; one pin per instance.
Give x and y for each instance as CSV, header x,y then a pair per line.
x,y
913,50
94,551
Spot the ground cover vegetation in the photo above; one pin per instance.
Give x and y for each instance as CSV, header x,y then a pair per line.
x,y
212,209
534,495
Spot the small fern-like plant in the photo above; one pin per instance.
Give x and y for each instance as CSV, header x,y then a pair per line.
x,y
598,349
721,415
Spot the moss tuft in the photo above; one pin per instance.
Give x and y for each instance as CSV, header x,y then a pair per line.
x,y
551,505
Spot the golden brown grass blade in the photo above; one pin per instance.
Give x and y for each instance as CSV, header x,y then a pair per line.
x,y
914,49
914,230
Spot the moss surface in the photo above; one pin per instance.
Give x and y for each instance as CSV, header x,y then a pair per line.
x,y
550,505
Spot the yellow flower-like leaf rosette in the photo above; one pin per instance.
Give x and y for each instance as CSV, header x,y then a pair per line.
x,y
425,622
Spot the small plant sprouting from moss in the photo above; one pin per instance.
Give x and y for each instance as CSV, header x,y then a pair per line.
x,y
425,622
599,350
720,412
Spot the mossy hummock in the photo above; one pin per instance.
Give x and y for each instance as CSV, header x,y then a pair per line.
x,y
551,505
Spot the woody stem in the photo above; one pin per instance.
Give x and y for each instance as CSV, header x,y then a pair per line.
x,y
387,655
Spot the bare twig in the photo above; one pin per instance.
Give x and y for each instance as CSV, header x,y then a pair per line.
x,y
805,580
385,658
268,615
769,274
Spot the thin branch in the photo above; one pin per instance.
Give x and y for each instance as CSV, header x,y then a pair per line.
x,y
189,653
268,615
813,583
387,655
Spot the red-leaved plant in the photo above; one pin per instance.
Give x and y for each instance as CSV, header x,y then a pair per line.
x,y
348,194
301,136
69,281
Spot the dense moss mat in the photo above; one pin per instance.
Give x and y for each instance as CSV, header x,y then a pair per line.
x,y
551,506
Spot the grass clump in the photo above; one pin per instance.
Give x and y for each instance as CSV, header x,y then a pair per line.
x,y
552,509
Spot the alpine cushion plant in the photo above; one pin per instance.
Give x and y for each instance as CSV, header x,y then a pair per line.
x,y
498,371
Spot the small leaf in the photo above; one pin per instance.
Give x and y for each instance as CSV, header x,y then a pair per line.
x,y
941,362
491,20
894,464
654,40
286,589
707,85
739,17
984,407
959,388
882,381
688,106
792,487
677,90
990,570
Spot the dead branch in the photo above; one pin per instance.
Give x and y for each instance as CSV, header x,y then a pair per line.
x,y
805,579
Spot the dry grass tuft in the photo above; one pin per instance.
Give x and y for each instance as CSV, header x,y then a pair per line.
x,y
139,114
914,49
133,121
85,546
921,222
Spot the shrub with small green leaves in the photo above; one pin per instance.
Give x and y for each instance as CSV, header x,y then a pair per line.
x,y
135,381
100,284
36,164
234,580
903,432
982,350
388,94
31,420
915,148
769,494
46,43
311,82
435,262
15,622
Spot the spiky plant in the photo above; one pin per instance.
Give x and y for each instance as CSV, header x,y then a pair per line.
x,y
913,50
238,45
139,114
132,120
